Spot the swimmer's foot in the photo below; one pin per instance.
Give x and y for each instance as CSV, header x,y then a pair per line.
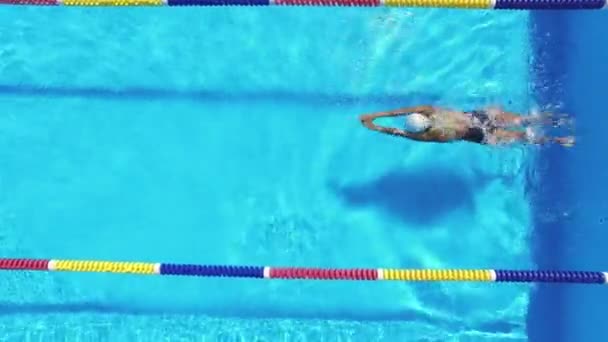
x,y
565,141
561,120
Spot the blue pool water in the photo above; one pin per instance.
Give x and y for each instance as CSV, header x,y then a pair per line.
x,y
230,136
575,235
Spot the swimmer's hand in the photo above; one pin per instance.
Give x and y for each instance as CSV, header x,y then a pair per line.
x,y
367,120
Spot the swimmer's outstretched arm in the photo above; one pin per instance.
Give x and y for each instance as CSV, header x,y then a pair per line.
x,y
425,110
368,121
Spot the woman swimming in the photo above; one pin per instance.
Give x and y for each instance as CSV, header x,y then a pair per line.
x,y
488,126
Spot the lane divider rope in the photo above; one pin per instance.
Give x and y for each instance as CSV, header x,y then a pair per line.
x,y
408,275
464,4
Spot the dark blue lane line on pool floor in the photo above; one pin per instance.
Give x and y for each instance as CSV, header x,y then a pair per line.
x,y
155,94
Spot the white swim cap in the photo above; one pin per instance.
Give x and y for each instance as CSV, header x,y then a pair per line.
x,y
416,122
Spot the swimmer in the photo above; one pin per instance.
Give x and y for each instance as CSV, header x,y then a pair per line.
x,y
490,126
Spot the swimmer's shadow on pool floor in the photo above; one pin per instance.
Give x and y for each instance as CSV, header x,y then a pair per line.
x,y
417,196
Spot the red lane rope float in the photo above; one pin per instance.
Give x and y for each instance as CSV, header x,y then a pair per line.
x,y
317,273
30,2
358,3
24,264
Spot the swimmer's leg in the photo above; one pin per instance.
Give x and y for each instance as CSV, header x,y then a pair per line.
x,y
510,120
504,137
503,119
506,119
548,119
538,138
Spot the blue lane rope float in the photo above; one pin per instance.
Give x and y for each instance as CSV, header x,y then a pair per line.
x,y
267,272
481,4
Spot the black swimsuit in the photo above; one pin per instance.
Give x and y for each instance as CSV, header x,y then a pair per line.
x,y
482,124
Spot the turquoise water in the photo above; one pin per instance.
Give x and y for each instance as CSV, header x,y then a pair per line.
x,y
231,136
